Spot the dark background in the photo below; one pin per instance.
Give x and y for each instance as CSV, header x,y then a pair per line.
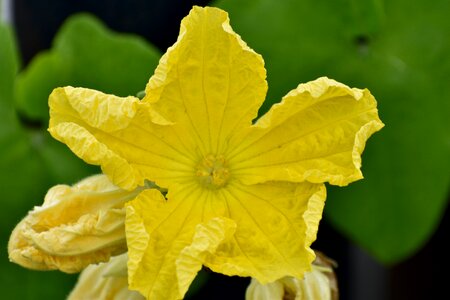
x,y
422,276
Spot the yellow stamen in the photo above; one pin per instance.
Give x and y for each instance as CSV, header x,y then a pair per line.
x,y
212,171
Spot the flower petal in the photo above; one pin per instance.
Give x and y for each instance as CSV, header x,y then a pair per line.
x,y
317,133
207,237
167,242
101,282
209,80
314,286
120,134
263,231
276,224
271,291
76,226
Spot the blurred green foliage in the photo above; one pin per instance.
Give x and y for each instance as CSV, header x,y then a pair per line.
x,y
84,54
398,50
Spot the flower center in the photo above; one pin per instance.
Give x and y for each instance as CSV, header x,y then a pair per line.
x,y
212,171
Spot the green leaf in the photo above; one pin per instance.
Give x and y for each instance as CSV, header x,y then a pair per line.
x,y
16,162
399,50
86,54
8,70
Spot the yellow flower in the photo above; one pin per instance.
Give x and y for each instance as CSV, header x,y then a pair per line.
x,y
243,199
76,226
106,281
318,284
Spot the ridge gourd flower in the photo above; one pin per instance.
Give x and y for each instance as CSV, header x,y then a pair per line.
x,y
76,226
242,198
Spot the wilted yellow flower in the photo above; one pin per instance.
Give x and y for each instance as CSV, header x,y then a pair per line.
x,y
75,226
106,281
318,284
243,199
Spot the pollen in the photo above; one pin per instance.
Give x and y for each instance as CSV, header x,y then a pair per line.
x,y
212,171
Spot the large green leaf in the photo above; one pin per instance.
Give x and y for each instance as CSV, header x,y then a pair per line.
x,y
399,50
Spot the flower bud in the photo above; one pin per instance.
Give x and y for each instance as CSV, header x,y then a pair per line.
x,y
318,284
105,281
76,226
